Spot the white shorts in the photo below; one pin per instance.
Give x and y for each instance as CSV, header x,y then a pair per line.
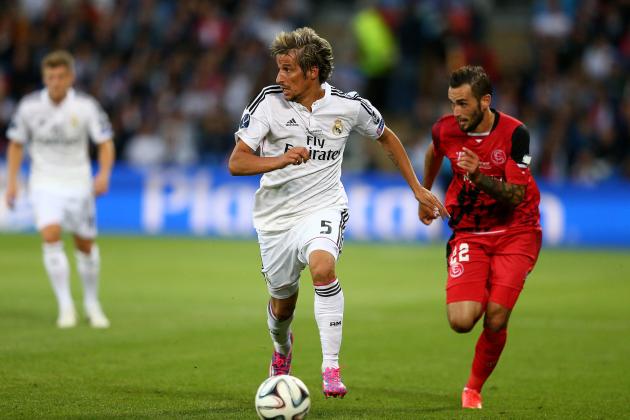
x,y
285,254
76,213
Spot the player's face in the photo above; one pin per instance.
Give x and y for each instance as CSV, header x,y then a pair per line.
x,y
468,111
58,80
295,84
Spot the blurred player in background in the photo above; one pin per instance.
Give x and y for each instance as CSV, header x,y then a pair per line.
x,y
56,123
299,128
493,202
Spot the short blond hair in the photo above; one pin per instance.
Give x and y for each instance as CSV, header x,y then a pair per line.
x,y
311,50
58,58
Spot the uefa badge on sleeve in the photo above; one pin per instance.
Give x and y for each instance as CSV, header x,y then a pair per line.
x,y
244,121
380,128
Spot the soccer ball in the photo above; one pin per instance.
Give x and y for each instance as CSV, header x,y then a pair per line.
x,y
282,397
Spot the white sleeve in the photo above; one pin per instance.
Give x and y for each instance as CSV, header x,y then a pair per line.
x,y
98,124
369,122
18,129
253,129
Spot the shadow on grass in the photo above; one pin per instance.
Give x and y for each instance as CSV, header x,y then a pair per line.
x,y
156,402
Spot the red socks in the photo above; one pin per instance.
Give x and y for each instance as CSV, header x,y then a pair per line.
x,y
487,353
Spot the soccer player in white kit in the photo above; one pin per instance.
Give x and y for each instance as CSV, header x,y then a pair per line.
x,y
56,123
300,127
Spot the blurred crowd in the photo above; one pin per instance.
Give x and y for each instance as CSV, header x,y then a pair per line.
x,y
175,76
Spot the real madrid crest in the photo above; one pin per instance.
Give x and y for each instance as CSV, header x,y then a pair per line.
x,y
337,127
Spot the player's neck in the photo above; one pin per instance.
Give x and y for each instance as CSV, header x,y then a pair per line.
x,y
487,123
310,96
58,99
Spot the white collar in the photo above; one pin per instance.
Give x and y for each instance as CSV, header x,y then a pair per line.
x,y
70,94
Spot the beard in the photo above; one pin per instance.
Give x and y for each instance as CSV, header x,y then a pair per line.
x,y
475,120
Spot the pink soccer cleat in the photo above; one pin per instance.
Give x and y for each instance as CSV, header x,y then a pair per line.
x,y
280,363
332,385
471,399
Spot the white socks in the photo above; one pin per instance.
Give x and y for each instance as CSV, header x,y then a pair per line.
x,y
329,304
88,266
58,269
279,332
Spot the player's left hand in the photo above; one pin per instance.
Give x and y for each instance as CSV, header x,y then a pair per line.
x,y
101,184
468,161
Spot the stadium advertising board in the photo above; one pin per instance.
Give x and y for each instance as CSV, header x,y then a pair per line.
x,y
209,202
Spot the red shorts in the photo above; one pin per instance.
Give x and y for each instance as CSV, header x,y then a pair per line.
x,y
492,267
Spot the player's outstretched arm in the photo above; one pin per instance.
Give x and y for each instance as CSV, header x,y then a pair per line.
x,y
106,156
244,161
512,194
15,153
396,152
432,164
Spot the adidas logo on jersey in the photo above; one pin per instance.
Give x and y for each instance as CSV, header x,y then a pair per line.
x,y
291,123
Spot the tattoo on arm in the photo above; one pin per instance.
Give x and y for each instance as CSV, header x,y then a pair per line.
x,y
505,192
391,157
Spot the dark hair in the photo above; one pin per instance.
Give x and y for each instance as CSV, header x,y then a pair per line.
x,y
476,77
311,50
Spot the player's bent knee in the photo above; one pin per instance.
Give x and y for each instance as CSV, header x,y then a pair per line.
x,y
324,276
51,233
84,245
463,315
322,268
496,322
497,316
322,258
283,312
461,324
462,327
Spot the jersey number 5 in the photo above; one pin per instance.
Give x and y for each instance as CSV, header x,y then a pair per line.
x,y
460,253
326,227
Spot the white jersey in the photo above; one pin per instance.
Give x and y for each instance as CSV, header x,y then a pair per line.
x,y
274,125
58,139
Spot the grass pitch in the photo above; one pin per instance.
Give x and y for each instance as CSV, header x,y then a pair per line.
x,y
189,336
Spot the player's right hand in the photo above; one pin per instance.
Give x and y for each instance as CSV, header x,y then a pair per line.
x,y
427,215
430,207
10,195
295,156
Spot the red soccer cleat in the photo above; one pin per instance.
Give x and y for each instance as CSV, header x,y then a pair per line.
x,y
471,399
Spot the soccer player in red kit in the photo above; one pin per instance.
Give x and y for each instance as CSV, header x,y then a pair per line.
x,y
493,202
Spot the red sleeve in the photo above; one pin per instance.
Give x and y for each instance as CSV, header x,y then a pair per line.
x,y
435,135
517,166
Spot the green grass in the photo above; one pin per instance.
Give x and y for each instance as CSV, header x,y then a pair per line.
x,y
189,337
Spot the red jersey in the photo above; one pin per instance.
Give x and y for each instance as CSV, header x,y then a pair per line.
x,y
503,155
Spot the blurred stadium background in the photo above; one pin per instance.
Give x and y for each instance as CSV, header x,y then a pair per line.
x,y
174,76
188,337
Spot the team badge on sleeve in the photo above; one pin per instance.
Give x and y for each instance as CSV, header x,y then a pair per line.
x,y
244,121
337,127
